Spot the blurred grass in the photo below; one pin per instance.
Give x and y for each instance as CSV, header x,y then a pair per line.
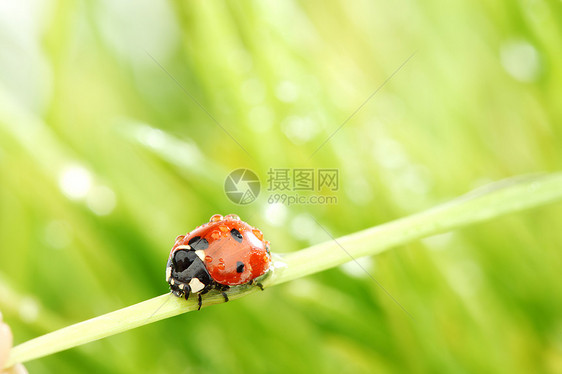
x,y
486,203
479,102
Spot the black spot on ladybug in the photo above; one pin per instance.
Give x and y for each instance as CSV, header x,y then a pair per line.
x,y
237,236
198,243
239,266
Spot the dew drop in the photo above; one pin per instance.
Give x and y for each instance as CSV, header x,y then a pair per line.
x,y
208,259
258,234
224,228
216,218
232,217
216,234
521,60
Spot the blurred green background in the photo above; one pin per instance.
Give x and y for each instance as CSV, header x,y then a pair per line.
x,y
104,160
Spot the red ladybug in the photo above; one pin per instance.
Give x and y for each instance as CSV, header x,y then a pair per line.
x,y
221,253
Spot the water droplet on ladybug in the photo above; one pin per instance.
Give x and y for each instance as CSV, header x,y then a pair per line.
x,y
258,234
224,228
215,234
216,218
208,259
232,217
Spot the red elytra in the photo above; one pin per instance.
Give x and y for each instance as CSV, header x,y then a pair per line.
x,y
235,252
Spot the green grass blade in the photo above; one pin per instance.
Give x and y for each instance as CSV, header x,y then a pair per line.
x,y
482,204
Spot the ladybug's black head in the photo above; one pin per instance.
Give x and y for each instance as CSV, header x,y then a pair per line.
x,y
186,273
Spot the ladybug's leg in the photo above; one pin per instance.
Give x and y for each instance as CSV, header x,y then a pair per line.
x,y
225,296
199,301
257,284
186,290
206,289
224,288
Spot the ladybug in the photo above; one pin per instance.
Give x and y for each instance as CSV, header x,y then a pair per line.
x,y
222,253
